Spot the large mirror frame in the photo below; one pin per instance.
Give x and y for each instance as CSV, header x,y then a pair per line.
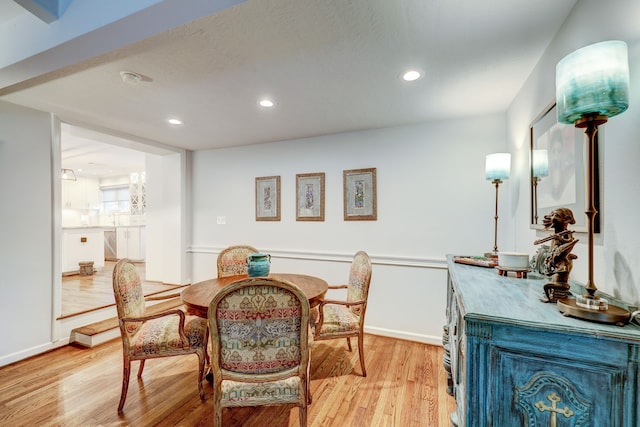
x,y
565,182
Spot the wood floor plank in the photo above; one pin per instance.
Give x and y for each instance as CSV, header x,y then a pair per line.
x,y
81,294
77,386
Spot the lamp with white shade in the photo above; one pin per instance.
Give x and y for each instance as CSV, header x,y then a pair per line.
x,y
497,169
592,85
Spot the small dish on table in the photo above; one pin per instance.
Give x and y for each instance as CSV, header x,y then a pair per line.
x,y
515,262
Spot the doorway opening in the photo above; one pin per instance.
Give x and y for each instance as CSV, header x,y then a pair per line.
x,y
103,216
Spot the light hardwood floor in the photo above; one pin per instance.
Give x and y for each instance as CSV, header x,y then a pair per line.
x,y
405,387
81,294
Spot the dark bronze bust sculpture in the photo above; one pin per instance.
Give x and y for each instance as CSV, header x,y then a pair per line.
x,y
559,261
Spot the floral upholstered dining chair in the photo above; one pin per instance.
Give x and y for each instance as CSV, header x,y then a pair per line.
x,y
170,333
333,318
259,336
232,261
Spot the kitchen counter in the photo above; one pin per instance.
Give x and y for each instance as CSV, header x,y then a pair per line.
x,y
89,227
81,244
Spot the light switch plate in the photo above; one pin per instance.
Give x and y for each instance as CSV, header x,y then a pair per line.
x,y
222,220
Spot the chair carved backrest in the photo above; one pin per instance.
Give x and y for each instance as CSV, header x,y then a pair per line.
x,y
127,291
359,281
232,261
258,326
259,338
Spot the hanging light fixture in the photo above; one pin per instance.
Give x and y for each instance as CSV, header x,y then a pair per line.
x,y
68,174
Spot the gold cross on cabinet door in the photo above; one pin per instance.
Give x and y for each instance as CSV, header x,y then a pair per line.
x,y
553,409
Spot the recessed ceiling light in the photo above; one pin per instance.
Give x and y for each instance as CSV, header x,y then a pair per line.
x,y
175,121
411,75
266,103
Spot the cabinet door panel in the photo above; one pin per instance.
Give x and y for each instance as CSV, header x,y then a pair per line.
x,y
93,194
133,243
130,243
121,243
84,193
538,391
73,194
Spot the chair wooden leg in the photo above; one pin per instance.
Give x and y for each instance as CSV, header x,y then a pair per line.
x,y
361,351
309,398
201,359
125,384
349,343
206,347
303,415
217,415
141,368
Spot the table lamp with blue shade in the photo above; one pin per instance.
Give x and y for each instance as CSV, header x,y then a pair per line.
x,y
593,80
497,168
592,85
540,163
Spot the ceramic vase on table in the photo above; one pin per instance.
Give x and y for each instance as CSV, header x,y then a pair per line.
x,y
258,264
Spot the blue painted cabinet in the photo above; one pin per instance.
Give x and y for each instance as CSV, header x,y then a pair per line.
x,y
513,360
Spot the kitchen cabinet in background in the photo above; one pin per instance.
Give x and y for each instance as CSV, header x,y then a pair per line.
x,y
84,193
130,242
82,244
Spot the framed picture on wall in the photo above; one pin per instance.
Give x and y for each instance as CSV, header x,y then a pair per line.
x,y
360,199
558,170
268,198
310,197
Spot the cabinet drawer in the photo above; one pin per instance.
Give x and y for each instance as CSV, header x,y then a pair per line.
x,y
559,344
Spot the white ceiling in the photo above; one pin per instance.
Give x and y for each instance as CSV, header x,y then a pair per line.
x,y
331,66
98,155
9,9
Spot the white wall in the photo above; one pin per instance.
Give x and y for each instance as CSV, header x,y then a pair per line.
x,y
617,248
25,230
432,200
166,259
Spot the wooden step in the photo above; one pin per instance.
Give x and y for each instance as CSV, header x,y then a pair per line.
x,y
96,333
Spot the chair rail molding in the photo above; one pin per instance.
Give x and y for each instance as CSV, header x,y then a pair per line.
x,y
390,260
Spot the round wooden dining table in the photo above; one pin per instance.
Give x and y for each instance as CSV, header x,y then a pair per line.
x,y
198,296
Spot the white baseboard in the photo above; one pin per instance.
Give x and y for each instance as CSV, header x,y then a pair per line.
x,y
33,351
408,336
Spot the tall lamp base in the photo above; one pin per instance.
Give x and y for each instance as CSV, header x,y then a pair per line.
x,y
612,314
